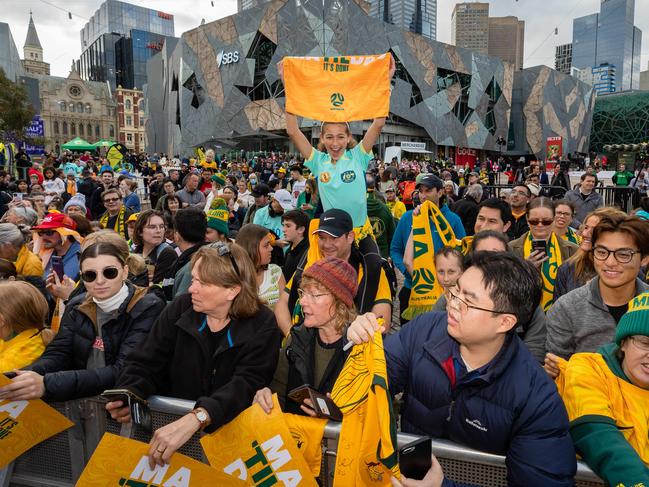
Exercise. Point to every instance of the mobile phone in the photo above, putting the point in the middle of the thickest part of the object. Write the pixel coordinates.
(140, 414)
(19, 196)
(57, 266)
(539, 245)
(323, 406)
(415, 458)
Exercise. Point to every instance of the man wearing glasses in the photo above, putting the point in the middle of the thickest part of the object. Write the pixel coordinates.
(519, 198)
(117, 214)
(466, 376)
(586, 318)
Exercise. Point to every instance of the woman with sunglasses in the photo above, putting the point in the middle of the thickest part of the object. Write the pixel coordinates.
(99, 328)
(313, 353)
(541, 246)
(215, 345)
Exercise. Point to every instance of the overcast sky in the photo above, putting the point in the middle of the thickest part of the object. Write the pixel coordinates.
(60, 36)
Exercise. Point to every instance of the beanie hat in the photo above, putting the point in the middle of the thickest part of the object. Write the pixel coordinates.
(38, 174)
(219, 178)
(218, 216)
(337, 276)
(77, 200)
(636, 320)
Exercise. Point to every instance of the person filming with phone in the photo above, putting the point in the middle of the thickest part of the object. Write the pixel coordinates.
(313, 355)
(542, 247)
(98, 330)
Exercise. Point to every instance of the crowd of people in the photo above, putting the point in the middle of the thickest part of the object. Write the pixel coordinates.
(515, 322)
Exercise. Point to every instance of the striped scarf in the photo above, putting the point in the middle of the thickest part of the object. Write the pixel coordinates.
(548, 269)
(571, 236)
(120, 223)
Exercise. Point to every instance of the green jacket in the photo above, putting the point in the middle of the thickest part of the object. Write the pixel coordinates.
(622, 178)
(382, 223)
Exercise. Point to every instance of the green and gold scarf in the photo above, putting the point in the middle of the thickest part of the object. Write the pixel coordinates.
(548, 269)
(120, 225)
(571, 236)
(426, 290)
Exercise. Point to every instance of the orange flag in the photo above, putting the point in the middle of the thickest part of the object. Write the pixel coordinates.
(338, 89)
(24, 424)
(122, 461)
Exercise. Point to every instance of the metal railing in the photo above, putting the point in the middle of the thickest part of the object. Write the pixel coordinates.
(59, 461)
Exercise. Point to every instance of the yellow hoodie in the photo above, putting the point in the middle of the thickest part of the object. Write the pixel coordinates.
(22, 350)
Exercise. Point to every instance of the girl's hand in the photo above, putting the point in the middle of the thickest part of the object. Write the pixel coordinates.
(280, 70)
(393, 66)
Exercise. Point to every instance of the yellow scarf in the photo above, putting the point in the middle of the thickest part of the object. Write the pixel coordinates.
(120, 225)
(426, 290)
(71, 188)
(548, 269)
(368, 438)
(571, 236)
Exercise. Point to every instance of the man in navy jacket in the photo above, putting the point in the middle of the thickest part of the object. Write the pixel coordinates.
(466, 376)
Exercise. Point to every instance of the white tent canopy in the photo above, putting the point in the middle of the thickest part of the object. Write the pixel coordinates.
(412, 147)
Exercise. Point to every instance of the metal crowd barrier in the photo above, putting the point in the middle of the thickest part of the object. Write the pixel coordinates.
(625, 197)
(59, 461)
(554, 192)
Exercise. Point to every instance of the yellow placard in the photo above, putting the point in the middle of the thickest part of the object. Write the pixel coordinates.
(338, 89)
(24, 424)
(258, 449)
(119, 461)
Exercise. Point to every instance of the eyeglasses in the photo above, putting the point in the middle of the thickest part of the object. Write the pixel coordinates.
(312, 297)
(223, 249)
(109, 273)
(642, 342)
(562, 213)
(623, 256)
(456, 301)
(533, 222)
(47, 233)
(111, 200)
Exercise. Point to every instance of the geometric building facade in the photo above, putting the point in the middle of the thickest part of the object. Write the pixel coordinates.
(620, 118)
(219, 82)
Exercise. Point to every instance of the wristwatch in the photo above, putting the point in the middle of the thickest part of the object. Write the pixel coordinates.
(202, 417)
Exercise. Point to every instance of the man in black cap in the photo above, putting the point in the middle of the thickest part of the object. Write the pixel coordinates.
(261, 194)
(336, 239)
(431, 188)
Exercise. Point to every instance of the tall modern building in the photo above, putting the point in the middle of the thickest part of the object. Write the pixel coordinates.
(507, 39)
(609, 38)
(419, 16)
(33, 52)
(10, 61)
(644, 80)
(118, 40)
(246, 4)
(470, 26)
(563, 58)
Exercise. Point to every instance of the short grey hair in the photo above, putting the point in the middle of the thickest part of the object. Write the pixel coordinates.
(475, 191)
(28, 215)
(12, 235)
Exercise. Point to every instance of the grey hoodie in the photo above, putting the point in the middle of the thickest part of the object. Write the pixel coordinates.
(580, 321)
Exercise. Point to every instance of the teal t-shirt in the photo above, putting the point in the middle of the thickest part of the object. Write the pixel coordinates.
(342, 185)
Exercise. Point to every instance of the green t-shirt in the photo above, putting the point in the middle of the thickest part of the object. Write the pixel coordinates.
(342, 185)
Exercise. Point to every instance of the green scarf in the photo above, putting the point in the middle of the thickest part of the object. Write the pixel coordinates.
(548, 269)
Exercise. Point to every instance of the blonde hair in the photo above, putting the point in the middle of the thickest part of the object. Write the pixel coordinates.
(107, 236)
(343, 315)
(352, 141)
(136, 264)
(220, 270)
(24, 307)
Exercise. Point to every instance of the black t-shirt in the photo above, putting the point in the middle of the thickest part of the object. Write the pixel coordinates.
(216, 339)
(617, 311)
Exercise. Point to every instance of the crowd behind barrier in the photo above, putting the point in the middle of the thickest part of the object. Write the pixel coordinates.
(59, 461)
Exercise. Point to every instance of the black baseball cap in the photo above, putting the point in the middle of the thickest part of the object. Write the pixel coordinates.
(260, 190)
(431, 181)
(335, 222)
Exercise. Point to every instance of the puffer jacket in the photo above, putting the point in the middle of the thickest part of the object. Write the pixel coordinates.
(63, 364)
(508, 407)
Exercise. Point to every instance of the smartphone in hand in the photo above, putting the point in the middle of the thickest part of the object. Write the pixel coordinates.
(415, 458)
(539, 246)
(57, 266)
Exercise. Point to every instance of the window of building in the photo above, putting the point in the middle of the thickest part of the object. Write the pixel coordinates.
(81, 129)
(65, 128)
(56, 127)
(72, 107)
(111, 131)
(129, 120)
(127, 105)
(79, 107)
(73, 128)
(89, 132)
(63, 106)
(88, 108)
(129, 137)
(97, 131)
